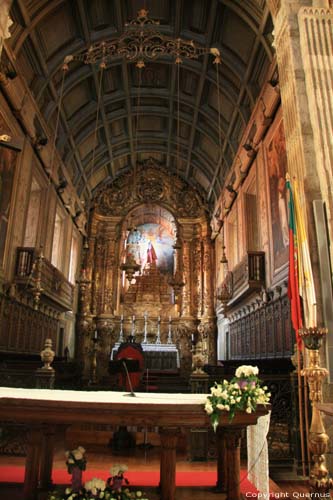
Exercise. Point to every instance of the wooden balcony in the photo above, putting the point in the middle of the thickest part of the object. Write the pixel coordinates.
(248, 275)
(55, 287)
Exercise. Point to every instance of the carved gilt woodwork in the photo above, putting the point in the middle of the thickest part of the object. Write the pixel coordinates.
(150, 183)
(149, 194)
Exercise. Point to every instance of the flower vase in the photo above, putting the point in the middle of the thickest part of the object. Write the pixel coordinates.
(76, 479)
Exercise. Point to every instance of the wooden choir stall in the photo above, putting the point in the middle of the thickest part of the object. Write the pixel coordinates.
(46, 411)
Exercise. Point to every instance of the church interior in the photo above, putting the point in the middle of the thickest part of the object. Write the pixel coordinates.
(147, 149)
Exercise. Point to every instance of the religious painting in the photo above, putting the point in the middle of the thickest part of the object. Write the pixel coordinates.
(276, 158)
(7, 169)
(151, 245)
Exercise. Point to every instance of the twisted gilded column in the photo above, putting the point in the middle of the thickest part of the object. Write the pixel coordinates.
(208, 297)
(197, 277)
(186, 291)
(109, 276)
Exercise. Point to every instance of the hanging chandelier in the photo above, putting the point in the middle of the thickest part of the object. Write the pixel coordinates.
(141, 42)
(130, 267)
(226, 291)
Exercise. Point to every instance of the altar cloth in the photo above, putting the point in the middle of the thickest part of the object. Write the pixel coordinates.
(107, 397)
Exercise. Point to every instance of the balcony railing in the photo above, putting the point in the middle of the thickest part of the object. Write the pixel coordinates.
(248, 275)
(53, 283)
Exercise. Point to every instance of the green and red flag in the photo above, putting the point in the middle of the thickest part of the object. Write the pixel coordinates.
(300, 282)
(293, 278)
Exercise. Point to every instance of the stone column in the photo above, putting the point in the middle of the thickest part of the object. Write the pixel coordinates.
(304, 55)
(315, 25)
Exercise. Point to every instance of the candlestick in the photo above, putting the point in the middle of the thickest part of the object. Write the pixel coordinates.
(145, 333)
(133, 326)
(158, 337)
(121, 331)
(169, 341)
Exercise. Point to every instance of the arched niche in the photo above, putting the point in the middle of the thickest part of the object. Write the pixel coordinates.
(149, 235)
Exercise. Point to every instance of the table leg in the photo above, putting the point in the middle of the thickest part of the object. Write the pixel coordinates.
(32, 464)
(169, 437)
(222, 461)
(46, 459)
(232, 439)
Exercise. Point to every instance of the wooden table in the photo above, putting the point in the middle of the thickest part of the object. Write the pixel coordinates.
(45, 410)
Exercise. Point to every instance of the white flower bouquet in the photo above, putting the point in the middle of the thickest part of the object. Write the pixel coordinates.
(242, 393)
(112, 489)
(97, 489)
(76, 458)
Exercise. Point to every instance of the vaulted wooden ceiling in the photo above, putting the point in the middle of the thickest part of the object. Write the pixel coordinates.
(45, 31)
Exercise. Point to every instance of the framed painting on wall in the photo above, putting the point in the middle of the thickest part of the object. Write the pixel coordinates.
(8, 159)
(276, 166)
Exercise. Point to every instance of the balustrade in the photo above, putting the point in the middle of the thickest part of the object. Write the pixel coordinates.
(53, 283)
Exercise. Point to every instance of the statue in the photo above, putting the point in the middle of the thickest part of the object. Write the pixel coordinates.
(151, 254)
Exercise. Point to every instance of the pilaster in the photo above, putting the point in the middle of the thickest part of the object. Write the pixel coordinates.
(187, 234)
(298, 106)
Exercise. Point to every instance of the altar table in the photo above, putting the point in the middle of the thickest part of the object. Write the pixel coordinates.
(44, 410)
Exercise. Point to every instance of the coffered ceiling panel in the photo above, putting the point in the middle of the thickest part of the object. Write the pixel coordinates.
(45, 31)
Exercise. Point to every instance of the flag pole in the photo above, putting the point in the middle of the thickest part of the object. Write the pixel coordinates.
(300, 410)
(306, 408)
(295, 306)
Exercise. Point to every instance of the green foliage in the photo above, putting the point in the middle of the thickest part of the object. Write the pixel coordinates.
(242, 393)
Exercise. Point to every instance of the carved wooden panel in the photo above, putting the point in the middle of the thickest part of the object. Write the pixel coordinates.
(264, 332)
(24, 329)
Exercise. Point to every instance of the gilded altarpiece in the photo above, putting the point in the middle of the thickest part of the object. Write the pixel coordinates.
(138, 215)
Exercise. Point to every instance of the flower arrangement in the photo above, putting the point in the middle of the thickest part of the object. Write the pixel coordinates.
(242, 393)
(112, 489)
(117, 480)
(97, 489)
(76, 458)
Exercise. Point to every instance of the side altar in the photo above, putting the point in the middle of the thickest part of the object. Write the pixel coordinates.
(48, 412)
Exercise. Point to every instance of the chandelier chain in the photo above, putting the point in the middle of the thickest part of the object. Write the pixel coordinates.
(178, 118)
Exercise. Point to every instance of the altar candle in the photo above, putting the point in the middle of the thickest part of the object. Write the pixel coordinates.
(133, 318)
(169, 319)
(192, 337)
(122, 318)
(159, 319)
(95, 334)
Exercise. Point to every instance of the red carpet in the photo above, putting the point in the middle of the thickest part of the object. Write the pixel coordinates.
(15, 474)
